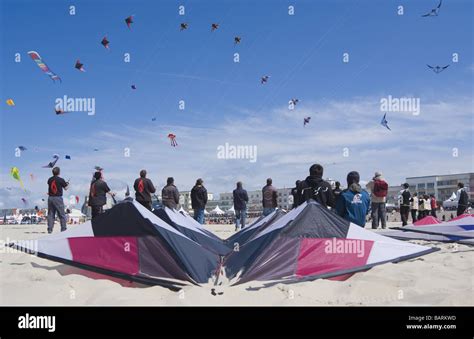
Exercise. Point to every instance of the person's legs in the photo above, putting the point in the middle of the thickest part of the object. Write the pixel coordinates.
(433, 213)
(374, 215)
(413, 216)
(243, 215)
(59, 206)
(460, 210)
(383, 213)
(95, 211)
(200, 215)
(237, 220)
(51, 214)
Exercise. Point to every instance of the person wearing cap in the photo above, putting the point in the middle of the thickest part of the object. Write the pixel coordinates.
(405, 204)
(97, 194)
(56, 184)
(353, 202)
(143, 190)
(199, 200)
(170, 194)
(378, 188)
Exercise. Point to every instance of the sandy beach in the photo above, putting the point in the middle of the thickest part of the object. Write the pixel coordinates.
(441, 278)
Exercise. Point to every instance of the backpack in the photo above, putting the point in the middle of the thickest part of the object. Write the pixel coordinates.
(380, 188)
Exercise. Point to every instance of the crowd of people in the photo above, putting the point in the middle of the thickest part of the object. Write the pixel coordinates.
(353, 203)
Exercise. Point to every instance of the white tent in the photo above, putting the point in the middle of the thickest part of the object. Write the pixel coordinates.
(206, 212)
(217, 210)
(231, 210)
(76, 216)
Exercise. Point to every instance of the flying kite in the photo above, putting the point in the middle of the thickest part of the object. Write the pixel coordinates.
(294, 101)
(22, 148)
(59, 111)
(264, 79)
(15, 173)
(129, 21)
(237, 40)
(306, 121)
(214, 27)
(10, 102)
(437, 69)
(153, 119)
(32, 177)
(36, 57)
(96, 150)
(384, 122)
(172, 138)
(183, 26)
(52, 162)
(24, 201)
(68, 157)
(133, 87)
(434, 11)
(105, 42)
(79, 66)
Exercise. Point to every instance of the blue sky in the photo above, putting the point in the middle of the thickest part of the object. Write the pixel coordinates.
(225, 101)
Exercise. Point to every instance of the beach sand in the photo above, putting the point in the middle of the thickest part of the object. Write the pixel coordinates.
(445, 277)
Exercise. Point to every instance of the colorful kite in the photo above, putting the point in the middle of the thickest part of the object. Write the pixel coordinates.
(15, 173)
(53, 162)
(79, 66)
(306, 121)
(105, 42)
(129, 21)
(77, 199)
(36, 57)
(172, 138)
(384, 122)
(10, 102)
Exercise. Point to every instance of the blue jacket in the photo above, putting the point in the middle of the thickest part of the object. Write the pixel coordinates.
(353, 204)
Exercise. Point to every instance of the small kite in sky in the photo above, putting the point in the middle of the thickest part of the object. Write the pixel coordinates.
(172, 138)
(237, 40)
(96, 150)
(264, 79)
(98, 168)
(105, 42)
(79, 66)
(77, 199)
(36, 57)
(59, 111)
(15, 173)
(24, 201)
(32, 177)
(129, 21)
(133, 87)
(153, 119)
(183, 26)
(214, 27)
(434, 11)
(294, 101)
(384, 122)
(68, 157)
(22, 148)
(52, 162)
(437, 69)
(10, 102)
(306, 121)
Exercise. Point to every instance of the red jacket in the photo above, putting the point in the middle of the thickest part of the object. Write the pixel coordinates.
(433, 204)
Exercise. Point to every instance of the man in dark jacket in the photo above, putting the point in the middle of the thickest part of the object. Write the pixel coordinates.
(240, 206)
(143, 190)
(269, 198)
(405, 197)
(97, 194)
(170, 194)
(199, 200)
(337, 191)
(353, 202)
(463, 199)
(55, 200)
(294, 194)
(314, 187)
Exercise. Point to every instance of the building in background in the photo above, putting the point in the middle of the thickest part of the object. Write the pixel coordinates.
(442, 186)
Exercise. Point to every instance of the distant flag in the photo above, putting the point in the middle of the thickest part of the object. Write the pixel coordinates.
(10, 102)
(68, 157)
(384, 122)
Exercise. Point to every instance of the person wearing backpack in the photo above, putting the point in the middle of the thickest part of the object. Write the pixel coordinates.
(378, 188)
(314, 187)
(463, 199)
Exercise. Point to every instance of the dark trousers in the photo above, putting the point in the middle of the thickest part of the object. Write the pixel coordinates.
(433, 213)
(146, 204)
(96, 210)
(413, 215)
(56, 206)
(404, 212)
(378, 213)
(461, 210)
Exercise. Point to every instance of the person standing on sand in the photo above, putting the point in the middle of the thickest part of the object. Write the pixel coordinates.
(294, 194)
(240, 206)
(199, 200)
(378, 188)
(354, 202)
(405, 197)
(143, 190)
(462, 198)
(337, 191)
(97, 194)
(170, 194)
(427, 203)
(434, 205)
(56, 184)
(314, 187)
(414, 206)
(269, 198)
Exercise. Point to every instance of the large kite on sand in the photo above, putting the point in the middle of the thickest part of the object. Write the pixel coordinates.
(41, 64)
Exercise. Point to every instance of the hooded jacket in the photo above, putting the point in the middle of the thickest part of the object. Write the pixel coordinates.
(170, 196)
(316, 188)
(240, 198)
(353, 204)
(198, 197)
